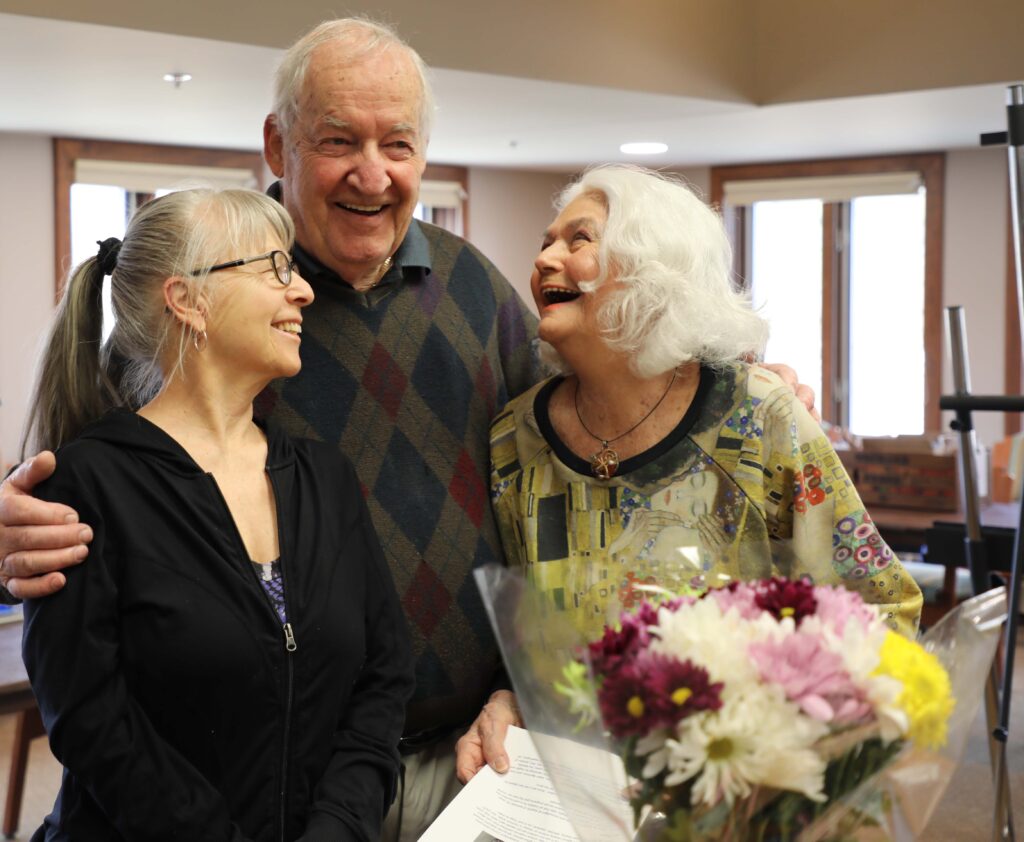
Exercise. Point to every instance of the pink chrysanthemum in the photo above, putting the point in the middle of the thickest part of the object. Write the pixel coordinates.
(812, 676)
(736, 596)
(837, 605)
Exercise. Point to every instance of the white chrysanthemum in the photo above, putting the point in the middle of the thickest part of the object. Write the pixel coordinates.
(653, 745)
(718, 642)
(882, 692)
(757, 737)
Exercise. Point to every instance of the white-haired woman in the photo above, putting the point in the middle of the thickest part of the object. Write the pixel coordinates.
(659, 457)
(232, 663)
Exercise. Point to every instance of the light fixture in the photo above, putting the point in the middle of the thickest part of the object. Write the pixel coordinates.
(643, 148)
(177, 79)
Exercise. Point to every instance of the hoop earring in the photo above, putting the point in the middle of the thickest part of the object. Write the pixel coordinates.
(200, 347)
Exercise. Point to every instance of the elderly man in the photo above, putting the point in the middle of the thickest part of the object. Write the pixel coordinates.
(414, 343)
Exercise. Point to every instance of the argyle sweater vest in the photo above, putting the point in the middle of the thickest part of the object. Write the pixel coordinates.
(406, 386)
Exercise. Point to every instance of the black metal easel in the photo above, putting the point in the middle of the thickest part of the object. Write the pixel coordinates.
(962, 403)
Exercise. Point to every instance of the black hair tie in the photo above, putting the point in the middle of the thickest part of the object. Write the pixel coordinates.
(106, 257)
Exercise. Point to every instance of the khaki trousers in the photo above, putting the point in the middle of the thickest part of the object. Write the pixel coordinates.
(430, 783)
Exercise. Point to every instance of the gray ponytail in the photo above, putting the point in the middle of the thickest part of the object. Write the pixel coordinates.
(73, 386)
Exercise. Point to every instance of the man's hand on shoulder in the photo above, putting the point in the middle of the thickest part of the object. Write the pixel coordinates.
(803, 392)
(484, 742)
(37, 539)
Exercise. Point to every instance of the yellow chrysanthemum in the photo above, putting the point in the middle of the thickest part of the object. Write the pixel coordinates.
(926, 697)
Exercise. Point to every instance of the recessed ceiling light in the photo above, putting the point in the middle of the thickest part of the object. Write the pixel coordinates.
(177, 79)
(644, 148)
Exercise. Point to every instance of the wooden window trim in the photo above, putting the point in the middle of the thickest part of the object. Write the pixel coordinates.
(66, 151)
(932, 167)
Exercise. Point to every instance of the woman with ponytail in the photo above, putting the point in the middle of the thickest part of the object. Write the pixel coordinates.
(232, 664)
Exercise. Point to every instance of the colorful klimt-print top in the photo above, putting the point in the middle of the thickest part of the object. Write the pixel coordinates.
(747, 486)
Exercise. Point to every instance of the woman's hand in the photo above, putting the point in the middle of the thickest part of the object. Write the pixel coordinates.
(484, 742)
(37, 538)
(803, 392)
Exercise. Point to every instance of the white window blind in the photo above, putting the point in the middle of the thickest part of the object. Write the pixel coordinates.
(442, 194)
(834, 188)
(150, 178)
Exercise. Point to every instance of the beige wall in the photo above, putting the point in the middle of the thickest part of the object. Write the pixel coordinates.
(508, 212)
(974, 269)
(26, 274)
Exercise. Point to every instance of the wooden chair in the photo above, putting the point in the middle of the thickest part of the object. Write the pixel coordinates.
(28, 727)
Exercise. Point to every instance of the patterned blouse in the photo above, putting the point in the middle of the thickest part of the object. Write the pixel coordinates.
(747, 486)
(273, 583)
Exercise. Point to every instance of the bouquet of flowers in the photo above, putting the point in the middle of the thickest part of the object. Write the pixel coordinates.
(770, 710)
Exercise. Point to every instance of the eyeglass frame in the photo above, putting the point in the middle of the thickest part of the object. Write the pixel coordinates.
(231, 264)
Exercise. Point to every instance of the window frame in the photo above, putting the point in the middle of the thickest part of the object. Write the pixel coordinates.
(931, 167)
(67, 151)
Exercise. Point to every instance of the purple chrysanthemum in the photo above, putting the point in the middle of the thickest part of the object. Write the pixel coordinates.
(787, 598)
(654, 691)
(628, 701)
(608, 653)
(682, 688)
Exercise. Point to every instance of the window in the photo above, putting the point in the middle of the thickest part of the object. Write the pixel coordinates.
(106, 194)
(443, 198)
(99, 184)
(441, 204)
(843, 258)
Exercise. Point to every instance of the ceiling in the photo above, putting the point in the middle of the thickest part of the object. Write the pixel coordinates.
(77, 79)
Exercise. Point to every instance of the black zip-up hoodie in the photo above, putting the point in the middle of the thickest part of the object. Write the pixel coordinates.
(180, 706)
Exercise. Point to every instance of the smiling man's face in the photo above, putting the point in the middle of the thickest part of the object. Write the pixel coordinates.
(351, 163)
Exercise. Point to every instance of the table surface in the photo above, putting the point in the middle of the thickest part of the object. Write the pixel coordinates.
(992, 514)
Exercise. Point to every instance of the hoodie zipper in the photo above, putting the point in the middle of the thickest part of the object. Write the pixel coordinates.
(290, 646)
(290, 643)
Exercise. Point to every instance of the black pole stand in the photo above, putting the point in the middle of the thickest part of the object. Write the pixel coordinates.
(997, 693)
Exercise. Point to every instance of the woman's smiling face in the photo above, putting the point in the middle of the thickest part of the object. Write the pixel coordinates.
(569, 257)
(255, 327)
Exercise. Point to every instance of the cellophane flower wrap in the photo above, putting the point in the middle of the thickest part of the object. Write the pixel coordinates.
(769, 710)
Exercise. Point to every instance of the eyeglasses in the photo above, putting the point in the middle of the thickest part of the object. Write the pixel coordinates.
(282, 263)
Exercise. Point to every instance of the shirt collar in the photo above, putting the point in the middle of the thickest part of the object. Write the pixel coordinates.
(413, 253)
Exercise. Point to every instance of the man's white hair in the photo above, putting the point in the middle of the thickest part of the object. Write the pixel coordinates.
(361, 37)
(672, 256)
